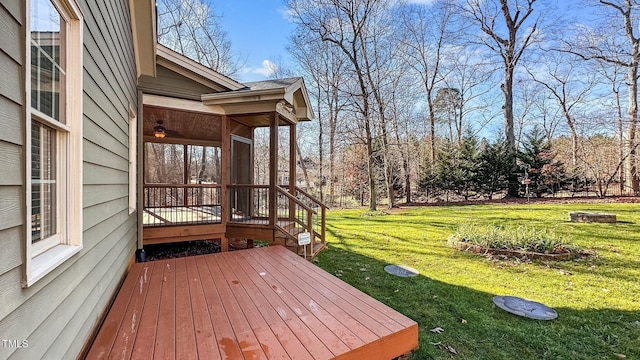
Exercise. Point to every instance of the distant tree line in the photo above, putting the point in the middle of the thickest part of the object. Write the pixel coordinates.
(403, 89)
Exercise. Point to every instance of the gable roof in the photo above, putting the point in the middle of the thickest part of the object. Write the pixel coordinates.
(195, 71)
(288, 96)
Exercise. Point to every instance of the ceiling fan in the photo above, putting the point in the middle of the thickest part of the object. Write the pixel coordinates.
(160, 131)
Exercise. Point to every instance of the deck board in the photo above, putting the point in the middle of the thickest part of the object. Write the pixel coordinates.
(262, 303)
(186, 344)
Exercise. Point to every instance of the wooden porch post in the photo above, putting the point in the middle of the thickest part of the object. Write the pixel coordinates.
(140, 175)
(292, 169)
(273, 168)
(225, 177)
(293, 157)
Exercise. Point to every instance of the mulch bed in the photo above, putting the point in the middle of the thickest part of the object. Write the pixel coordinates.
(183, 249)
(188, 248)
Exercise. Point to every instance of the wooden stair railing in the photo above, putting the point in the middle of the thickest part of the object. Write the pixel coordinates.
(298, 213)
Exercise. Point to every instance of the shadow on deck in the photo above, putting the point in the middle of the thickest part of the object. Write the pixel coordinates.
(261, 303)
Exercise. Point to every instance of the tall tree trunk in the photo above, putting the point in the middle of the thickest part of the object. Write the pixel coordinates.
(432, 129)
(320, 145)
(632, 127)
(507, 89)
(305, 174)
(333, 118)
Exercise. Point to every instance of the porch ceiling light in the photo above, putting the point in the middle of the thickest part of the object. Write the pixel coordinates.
(159, 131)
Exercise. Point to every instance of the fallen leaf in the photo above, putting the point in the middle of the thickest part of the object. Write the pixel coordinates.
(452, 350)
(437, 330)
(621, 356)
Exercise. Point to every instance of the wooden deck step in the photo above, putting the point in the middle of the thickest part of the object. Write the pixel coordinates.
(317, 248)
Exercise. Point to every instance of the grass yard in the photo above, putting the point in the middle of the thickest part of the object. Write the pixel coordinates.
(597, 298)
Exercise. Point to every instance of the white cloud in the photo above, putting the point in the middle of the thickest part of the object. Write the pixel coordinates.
(268, 68)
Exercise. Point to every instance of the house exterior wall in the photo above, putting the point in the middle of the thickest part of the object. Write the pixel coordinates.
(170, 83)
(53, 318)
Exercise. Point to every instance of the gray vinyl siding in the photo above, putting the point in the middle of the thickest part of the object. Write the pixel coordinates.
(58, 313)
(170, 83)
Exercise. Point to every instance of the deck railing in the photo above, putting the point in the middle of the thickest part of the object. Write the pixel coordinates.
(304, 214)
(320, 212)
(249, 202)
(194, 204)
(179, 204)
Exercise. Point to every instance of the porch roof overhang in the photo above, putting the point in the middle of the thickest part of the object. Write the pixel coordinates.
(143, 29)
(287, 97)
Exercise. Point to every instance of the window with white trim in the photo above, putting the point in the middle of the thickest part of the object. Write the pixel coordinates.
(54, 135)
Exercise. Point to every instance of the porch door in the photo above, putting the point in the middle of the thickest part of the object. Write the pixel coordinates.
(241, 174)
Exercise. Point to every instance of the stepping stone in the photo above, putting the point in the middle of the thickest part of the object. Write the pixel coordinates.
(401, 270)
(591, 217)
(526, 308)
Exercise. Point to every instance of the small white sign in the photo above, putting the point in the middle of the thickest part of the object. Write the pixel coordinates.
(304, 238)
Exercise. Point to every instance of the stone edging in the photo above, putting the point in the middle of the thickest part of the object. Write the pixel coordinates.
(478, 249)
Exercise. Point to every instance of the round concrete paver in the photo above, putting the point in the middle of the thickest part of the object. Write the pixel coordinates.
(524, 307)
(401, 270)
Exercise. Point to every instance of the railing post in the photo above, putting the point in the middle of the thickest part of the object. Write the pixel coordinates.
(292, 169)
(323, 221)
(273, 168)
(310, 230)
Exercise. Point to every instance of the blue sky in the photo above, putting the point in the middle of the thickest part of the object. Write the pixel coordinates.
(258, 32)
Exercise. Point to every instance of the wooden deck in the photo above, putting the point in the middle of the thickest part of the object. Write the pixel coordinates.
(262, 303)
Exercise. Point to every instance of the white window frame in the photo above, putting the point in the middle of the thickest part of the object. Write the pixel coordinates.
(133, 144)
(47, 254)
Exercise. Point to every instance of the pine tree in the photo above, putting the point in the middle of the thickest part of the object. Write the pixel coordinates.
(494, 168)
(467, 159)
(537, 160)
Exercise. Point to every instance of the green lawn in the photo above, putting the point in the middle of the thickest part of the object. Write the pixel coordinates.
(597, 299)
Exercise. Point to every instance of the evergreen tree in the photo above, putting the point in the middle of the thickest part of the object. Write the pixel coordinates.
(446, 170)
(467, 165)
(537, 160)
(494, 168)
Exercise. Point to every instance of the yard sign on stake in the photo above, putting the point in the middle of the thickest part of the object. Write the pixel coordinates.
(304, 239)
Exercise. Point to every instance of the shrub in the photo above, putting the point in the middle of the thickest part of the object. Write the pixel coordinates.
(522, 238)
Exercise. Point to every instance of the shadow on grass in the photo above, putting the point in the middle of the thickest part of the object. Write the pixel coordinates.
(475, 328)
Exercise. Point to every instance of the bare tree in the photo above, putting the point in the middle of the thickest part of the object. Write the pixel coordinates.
(192, 28)
(349, 25)
(613, 75)
(472, 75)
(424, 28)
(569, 86)
(325, 65)
(509, 29)
(615, 41)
